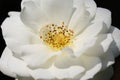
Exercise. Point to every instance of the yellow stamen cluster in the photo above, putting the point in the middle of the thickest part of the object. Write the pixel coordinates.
(56, 36)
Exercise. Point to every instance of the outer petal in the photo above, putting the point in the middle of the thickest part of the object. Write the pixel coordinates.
(104, 16)
(91, 7)
(88, 45)
(97, 49)
(36, 55)
(12, 66)
(93, 65)
(89, 61)
(104, 51)
(56, 73)
(24, 1)
(81, 45)
(92, 72)
(15, 33)
(32, 18)
(100, 25)
(85, 10)
(46, 12)
(107, 60)
(65, 60)
(107, 42)
(101, 48)
(116, 37)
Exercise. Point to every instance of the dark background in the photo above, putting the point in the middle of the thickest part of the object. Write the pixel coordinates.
(14, 5)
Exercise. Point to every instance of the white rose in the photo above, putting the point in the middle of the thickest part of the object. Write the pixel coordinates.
(59, 40)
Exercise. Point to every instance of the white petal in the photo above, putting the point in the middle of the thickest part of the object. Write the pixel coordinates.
(24, 1)
(13, 28)
(12, 66)
(58, 10)
(68, 51)
(79, 19)
(103, 15)
(32, 18)
(107, 60)
(116, 37)
(66, 73)
(41, 74)
(90, 61)
(92, 46)
(92, 64)
(82, 15)
(24, 78)
(54, 72)
(46, 12)
(82, 43)
(100, 24)
(102, 45)
(104, 75)
(36, 55)
(107, 42)
(65, 60)
(92, 72)
(94, 30)
(15, 33)
(104, 51)
(96, 49)
(91, 7)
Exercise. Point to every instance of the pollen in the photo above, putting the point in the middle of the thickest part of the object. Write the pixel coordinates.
(56, 36)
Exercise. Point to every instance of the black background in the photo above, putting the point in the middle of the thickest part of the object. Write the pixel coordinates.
(14, 5)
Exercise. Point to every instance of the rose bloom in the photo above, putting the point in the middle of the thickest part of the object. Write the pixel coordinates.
(59, 40)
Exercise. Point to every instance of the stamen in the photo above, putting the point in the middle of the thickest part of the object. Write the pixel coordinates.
(56, 36)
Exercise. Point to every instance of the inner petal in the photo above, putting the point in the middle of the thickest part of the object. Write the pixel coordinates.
(56, 36)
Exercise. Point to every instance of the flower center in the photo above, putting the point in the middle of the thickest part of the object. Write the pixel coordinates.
(56, 36)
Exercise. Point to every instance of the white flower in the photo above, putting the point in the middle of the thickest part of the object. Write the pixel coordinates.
(59, 40)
